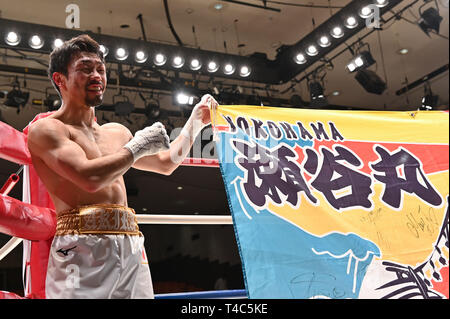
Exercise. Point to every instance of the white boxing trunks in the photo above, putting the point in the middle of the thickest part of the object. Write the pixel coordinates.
(98, 253)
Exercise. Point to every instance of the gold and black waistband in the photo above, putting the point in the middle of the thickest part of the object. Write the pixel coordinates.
(106, 219)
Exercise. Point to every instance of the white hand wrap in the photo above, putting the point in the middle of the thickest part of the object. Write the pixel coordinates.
(149, 141)
(192, 128)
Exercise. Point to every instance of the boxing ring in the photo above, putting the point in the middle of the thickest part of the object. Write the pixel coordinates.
(152, 219)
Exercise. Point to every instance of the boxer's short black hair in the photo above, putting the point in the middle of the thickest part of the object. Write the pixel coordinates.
(62, 56)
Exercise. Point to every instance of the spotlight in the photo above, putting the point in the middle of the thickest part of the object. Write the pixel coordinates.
(381, 3)
(315, 90)
(36, 42)
(58, 43)
(363, 60)
(370, 81)
(229, 69)
(177, 62)
(212, 66)
(185, 99)
(53, 102)
(351, 22)
(324, 41)
(140, 57)
(104, 50)
(430, 20)
(429, 100)
(12, 38)
(300, 59)
(16, 98)
(152, 109)
(337, 32)
(312, 50)
(317, 96)
(195, 64)
(245, 71)
(121, 54)
(160, 59)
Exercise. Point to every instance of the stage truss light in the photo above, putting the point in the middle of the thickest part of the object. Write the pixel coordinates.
(212, 66)
(36, 42)
(195, 64)
(362, 60)
(245, 71)
(228, 69)
(140, 56)
(300, 58)
(178, 62)
(121, 54)
(160, 59)
(12, 38)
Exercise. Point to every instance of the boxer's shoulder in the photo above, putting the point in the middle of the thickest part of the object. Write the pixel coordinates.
(117, 128)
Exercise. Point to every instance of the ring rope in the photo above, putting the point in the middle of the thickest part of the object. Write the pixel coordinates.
(9, 246)
(185, 219)
(214, 294)
(149, 219)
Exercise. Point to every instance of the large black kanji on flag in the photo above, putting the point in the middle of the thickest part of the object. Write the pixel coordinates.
(401, 171)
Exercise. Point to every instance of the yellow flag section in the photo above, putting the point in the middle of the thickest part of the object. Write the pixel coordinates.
(398, 164)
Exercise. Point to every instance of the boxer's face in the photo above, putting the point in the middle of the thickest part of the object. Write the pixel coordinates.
(86, 79)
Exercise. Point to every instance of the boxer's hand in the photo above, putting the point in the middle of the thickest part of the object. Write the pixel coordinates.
(200, 116)
(149, 141)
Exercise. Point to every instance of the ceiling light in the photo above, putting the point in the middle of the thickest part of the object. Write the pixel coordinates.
(403, 51)
(300, 59)
(185, 99)
(195, 64)
(365, 12)
(381, 3)
(160, 59)
(104, 50)
(363, 60)
(351, 22)
(177, 62)
(336, 93)
(212, 66)
(12, 38)
(337, 32)
(141, 57)
(58, 43)
(228, 69)
(36, 42)
(312, 50)
(245, 71)
(121, 54)
(351, 66)
(324, 42)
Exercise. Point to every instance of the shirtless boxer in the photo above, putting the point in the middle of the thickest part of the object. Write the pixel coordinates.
(98, 249)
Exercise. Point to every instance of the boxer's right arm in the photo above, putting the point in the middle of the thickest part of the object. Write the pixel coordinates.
(49, 140)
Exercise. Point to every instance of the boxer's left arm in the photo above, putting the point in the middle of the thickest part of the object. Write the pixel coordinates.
(166, 162)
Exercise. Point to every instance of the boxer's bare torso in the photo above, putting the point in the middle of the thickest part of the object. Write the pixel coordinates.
(90, 142)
